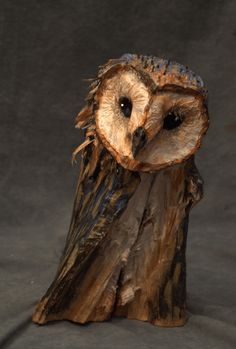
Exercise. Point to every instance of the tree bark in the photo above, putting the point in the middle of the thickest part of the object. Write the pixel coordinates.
(125, 250)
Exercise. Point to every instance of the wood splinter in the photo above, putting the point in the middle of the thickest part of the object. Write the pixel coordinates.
(125, 250)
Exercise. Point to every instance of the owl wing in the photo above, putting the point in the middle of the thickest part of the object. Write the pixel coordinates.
(103, 191)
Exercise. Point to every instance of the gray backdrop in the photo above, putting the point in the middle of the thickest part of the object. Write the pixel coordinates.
(47, 49)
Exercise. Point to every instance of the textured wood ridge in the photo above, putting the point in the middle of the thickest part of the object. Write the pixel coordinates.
(124, 255)
(104, 189)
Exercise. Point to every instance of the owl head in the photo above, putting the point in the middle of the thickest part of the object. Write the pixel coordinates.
(148, 112)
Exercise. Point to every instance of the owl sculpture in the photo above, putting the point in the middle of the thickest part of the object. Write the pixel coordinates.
(124, 255)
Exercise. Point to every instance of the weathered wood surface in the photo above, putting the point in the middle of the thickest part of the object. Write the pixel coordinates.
(125, 250)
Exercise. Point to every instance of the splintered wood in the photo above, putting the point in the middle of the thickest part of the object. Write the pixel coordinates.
(125, 251)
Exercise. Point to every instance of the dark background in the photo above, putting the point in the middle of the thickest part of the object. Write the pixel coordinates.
(47, 49)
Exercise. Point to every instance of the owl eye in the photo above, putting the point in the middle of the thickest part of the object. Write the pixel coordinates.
(172, 120)
(125, 106)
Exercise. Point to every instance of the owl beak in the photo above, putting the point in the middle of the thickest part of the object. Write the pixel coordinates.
(139, 140)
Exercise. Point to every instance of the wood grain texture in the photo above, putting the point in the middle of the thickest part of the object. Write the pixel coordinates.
(153, 283)
(124, 257)
(103, 191)
(125, 249)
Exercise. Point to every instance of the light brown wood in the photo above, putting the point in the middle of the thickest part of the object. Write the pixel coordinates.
(125, 250)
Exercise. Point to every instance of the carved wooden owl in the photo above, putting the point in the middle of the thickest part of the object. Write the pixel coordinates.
(125, 250)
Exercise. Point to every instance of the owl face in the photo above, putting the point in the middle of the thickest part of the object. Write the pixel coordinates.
(146, 127)
(149, 118)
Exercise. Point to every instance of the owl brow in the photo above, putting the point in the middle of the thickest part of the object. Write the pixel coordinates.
(146, 79)
(179, 89)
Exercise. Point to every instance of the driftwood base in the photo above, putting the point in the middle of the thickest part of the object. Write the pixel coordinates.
(137, 269)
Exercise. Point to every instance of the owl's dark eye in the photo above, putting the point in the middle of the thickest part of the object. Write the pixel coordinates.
(172, 120)
(125, 106)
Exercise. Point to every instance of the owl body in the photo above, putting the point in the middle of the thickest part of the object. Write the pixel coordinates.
(125, 250)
